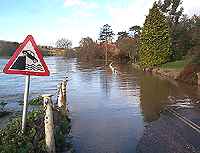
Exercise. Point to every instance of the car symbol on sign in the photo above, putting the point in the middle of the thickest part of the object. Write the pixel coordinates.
(30, 55)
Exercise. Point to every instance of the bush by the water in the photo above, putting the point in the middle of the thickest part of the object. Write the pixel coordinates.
(12, 140)
(36, 101)
(62, 129)
(189, 73)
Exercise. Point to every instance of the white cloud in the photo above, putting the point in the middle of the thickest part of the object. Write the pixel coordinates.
(191, 7)
(134, 14)
(82, 23)
(86, 22)
(122, 18)
(73, 28)
(80, 3)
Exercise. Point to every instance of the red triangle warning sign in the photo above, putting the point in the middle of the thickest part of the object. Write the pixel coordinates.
(27, 60)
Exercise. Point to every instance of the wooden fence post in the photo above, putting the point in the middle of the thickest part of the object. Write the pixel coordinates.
(64, 91)
(60, 95)
(62, 100)
(198, 78)
(49, 125)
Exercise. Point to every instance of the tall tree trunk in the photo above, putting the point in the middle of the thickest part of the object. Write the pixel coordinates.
(106, 55)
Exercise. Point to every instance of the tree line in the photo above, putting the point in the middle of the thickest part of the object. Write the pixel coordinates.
(166, 35)
(123, 49)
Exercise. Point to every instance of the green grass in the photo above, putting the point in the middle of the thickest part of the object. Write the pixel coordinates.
(175, 65)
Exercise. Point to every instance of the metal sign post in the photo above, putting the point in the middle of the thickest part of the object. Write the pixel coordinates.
(27, 60)
(26, 93)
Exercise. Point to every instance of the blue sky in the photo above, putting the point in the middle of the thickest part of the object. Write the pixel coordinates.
(49, 20)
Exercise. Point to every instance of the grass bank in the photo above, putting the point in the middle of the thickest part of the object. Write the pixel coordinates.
(183, 70)
(177, 65)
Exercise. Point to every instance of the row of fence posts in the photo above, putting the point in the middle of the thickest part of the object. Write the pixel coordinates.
(49, 120)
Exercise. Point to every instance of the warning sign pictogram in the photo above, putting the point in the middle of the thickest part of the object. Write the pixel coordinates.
(27, 60)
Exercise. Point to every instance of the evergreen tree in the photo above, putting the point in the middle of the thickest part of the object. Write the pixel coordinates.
(136, 30)
(105, 37)
(122, 34)
(155, 39)
(106, 34)
(173, 11)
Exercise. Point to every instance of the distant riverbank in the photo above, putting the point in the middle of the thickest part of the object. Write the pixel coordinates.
(7, 48)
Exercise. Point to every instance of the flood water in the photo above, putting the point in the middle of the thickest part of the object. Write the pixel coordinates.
(109, 111)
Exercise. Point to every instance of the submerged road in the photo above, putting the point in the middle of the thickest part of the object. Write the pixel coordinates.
(176, 131)
(185, 120)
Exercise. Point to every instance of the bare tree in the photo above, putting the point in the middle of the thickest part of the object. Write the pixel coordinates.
(64, 43)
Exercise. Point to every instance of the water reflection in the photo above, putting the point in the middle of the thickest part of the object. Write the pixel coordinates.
(105, 83)
(153, 95)
(156, 93)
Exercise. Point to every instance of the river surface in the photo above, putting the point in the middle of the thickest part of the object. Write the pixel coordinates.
(109, 111)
